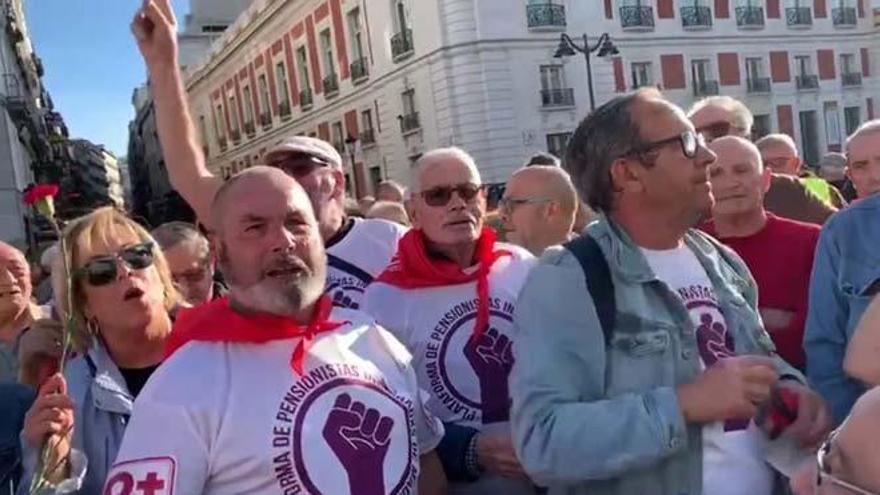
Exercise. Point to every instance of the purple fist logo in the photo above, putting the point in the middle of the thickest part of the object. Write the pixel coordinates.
(360, 438)
(491, 357)
(713, 340)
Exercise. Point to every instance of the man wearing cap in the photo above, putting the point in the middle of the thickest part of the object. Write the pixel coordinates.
(449, 296)
(357, 249)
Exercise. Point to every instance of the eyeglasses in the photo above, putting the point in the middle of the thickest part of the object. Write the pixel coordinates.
(299, 165)
(689, 140)
(441, 195)
(193, 276)
(509, 204)
(823, 470)
(717, 130)
(103, 270)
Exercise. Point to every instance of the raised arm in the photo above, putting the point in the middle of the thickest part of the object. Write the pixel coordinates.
(155, 30)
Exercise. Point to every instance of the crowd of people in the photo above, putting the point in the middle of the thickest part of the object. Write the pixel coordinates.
(671, 309)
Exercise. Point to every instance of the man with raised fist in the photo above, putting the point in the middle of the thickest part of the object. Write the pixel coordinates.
(449, 296)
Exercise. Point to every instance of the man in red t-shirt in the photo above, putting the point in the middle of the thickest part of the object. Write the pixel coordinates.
(778, 251)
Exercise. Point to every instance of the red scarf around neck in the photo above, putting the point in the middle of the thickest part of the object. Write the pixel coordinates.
(216, 321)
(413, 268)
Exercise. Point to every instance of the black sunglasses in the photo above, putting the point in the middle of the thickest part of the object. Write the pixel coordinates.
(717, 130)
(690, 142)
(103, 270)
(441, 195)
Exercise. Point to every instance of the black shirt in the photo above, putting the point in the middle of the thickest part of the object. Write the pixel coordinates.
(136, 378)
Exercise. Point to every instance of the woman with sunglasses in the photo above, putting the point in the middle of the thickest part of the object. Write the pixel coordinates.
(121, 300)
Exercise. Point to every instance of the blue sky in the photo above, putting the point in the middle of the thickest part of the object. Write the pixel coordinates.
(92, 63)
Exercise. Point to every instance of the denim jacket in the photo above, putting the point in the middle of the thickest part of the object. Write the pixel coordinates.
(103, 406)
(597, 420)
(846, 276)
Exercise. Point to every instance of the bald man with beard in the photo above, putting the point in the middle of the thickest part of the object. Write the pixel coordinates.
(539, 207)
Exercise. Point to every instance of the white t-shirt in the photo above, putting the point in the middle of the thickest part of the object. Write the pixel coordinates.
(733, 452)
(358, 257)
(223, 418)
(436, 325)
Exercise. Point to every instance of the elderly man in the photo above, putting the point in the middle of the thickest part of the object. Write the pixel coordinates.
(389, 190)
(190, 261)
(720, 116)
(640, 355)
(780, 155)
(847, 463)
(539, 207)
(778, 252)
(291, 394)
(846, 276)
(357, 249)
(17, 312)
(449, 296)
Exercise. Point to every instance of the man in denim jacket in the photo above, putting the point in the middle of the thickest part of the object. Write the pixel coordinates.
(846, 275)
(663, 407)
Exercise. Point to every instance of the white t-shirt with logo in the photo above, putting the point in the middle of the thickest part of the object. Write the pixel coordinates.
(229, 418)
(436, 325)
(359, 257)
(733, 452)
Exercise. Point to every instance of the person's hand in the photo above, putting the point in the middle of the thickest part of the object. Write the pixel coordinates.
(155, 29)
(495, 454)
(50, 421)
(39, 352)
(814, 420)
(732, 388)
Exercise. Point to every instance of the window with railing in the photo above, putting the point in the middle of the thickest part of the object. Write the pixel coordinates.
(799, 13)
(331, 80)
(696, 14)
(806, 78)
(705, 83)
(642, 74)
(221, 126)
(359, 68)
(750, 13)
(306, 99)
(852, 117)
(368, 134)
(554, 91)
(337, 137)
(264, 97)
(756, 80)
(557, 142)
(402, 45)
(302, 65)
(850, 75)
(203, 135)
(637, 14)
(545, 13)
(844, 13)
(283, 92)
(409, 121)
(247, 95)
(234, 125)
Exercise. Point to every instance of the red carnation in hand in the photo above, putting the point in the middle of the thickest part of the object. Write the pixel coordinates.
(42, 198)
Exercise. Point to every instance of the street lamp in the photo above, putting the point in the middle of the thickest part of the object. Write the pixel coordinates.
(351, 147)
(568, 47)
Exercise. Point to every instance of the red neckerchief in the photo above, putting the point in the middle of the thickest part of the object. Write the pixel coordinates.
(413, 268)
(217, 322)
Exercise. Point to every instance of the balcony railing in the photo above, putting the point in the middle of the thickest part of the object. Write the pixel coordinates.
(844, 16)
(305, 98)
(637, 16)
(402, 45)
(250, 129)
(750, 17)
(807, 82)
(563, 97)
(545, 15)
(798, 16)
(695, 16)
(368, 136)
(359, 70)
(331, 85)
(409, 122)
(266, 120)
(758, 85)
(221, 142)
(851, 78)
(705, 88)
(235, 136)
(284, 109)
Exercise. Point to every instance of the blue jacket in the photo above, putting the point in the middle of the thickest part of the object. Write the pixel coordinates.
(846, 276)
(594, 420)
(103, 406)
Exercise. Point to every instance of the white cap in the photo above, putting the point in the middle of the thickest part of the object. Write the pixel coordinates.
(305, 145)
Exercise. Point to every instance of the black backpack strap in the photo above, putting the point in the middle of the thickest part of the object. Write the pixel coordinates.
(598, 276)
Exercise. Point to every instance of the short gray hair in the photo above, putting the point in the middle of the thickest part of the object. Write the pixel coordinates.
(171, 234)
(742, 116)
(775, 139)
(439, 154)
(868, 127)
(602, 137)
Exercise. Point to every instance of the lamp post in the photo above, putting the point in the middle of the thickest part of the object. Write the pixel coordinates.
(568, 47)
(351, 147)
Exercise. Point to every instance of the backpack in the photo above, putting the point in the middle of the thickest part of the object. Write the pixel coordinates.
(598, 276)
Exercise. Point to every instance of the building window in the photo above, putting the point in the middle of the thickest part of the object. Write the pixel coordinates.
(248, 106)
(203, 134)
(265, 113)
(368, 134)
(354, 29)
(761, 127)
(756, 81)
(402, 41)
(554, 90)
(221, 126)
(704, 82)
(849, 70)
(557, 142)
(798, 13)
(336, 137)
(327, 51)
(283, 94)
(806, 78)
(302, 63)
(400, 19)
(410, 118)
(809, 138)
(852, 117)
(234, 131)
(375, 177)
(642, 74)
(832, 125)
